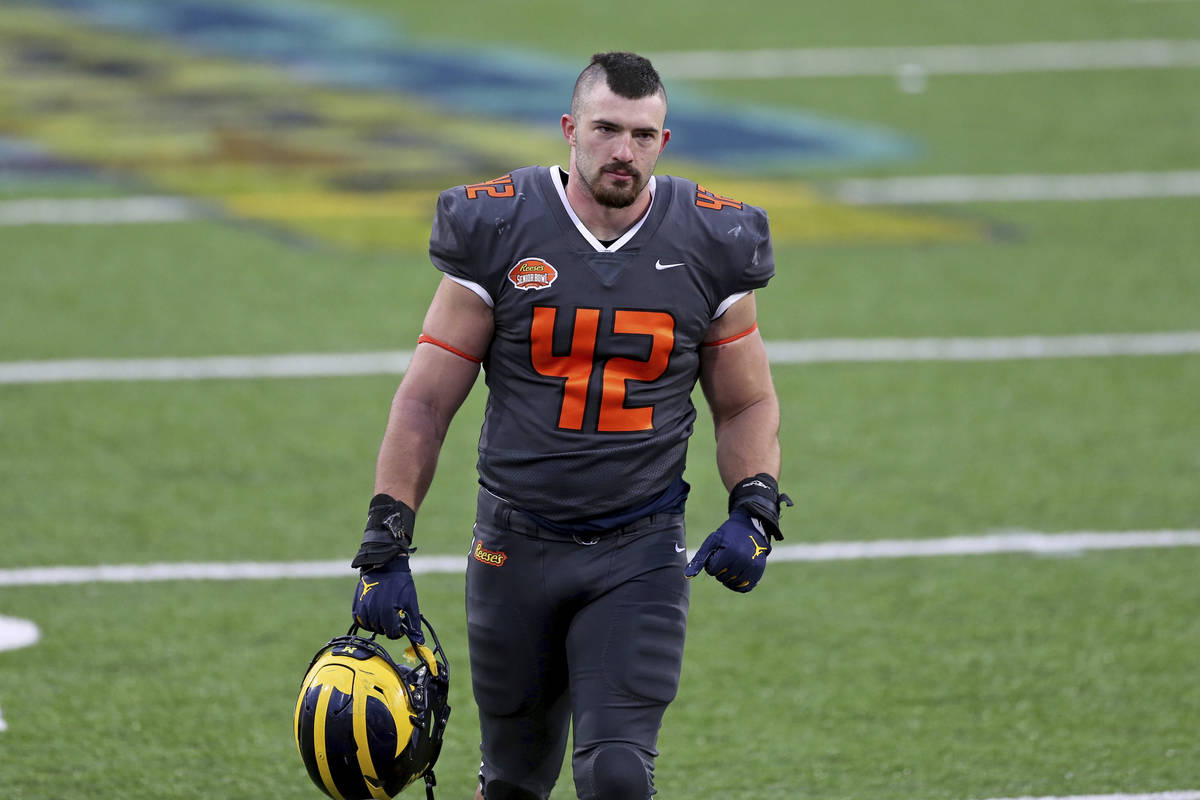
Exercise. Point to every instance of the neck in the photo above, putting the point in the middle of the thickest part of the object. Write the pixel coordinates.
(604, 222)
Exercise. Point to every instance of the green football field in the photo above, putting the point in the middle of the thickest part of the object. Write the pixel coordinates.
(989, 583)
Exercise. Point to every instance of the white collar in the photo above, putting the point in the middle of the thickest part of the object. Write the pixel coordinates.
(592, 240)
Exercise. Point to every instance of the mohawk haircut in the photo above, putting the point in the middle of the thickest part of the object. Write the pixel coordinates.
(627, 74)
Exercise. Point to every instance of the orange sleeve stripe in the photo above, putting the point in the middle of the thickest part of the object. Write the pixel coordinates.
(733, 338)
(423, 338)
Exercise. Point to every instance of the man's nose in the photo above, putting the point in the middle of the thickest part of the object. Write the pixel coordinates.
(624, 151)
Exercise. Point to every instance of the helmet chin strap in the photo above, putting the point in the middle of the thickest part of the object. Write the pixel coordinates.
(430, 782)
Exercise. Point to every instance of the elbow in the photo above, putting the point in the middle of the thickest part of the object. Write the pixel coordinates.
(762, 412)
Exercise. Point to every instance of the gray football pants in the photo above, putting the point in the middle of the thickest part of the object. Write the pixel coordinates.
(562, 628)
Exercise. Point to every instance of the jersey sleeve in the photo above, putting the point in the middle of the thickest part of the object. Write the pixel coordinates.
(750, 258)
(758, 265)
(449, 247)
(733, 237)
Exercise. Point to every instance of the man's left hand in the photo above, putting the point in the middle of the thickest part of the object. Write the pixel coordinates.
(735, 553)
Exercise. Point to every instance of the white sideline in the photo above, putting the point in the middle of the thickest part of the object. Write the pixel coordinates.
(806, 351)
(1031, 542)
(980, 59)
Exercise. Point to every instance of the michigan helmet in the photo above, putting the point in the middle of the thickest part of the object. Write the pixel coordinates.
(366, 726)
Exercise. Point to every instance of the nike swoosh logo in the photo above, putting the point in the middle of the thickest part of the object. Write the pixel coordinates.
(660, 265)
(679, 549)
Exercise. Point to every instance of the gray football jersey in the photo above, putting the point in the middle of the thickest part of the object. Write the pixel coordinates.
(596, 349)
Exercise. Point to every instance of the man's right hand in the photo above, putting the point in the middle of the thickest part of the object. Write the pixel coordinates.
(385, 601)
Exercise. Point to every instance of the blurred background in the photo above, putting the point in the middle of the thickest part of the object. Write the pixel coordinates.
(984, 331)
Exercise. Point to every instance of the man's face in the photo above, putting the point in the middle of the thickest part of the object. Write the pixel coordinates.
(616, 143)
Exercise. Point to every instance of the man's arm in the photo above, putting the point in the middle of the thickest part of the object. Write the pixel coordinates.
(455, 335)
(736, 380)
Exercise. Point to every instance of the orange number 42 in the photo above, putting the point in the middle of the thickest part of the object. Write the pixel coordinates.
(576, 367)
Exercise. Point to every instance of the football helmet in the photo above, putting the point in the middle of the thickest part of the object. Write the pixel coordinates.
(367, 726)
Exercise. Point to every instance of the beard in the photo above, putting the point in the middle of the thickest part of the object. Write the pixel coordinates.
(618, 195)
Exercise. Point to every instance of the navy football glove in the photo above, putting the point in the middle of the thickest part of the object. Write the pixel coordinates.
(735, 553)
(385, 599)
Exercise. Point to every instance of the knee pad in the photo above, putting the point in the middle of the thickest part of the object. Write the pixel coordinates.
(614, 772)
(503, 790)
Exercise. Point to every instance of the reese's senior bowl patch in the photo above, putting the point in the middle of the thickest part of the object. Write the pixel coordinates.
(493, 558)
(532, 273)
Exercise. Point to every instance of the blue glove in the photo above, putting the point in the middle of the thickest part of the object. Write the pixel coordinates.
(735, 553)
(385, 601)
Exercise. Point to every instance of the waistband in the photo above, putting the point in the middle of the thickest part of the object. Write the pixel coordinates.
(505, 515)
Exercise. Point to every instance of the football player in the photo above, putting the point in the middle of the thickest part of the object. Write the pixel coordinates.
(594, 297)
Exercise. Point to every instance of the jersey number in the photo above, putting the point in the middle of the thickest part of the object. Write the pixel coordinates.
(576, 367)
(707, 199)
(496, 187)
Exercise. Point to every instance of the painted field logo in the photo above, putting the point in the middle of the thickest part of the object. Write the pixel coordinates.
(532, 273)
(493, 558)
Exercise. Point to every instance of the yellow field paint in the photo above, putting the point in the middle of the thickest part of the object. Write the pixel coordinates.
(799, 215)
(359, 169)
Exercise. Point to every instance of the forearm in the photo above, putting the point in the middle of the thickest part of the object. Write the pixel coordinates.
(432, 391)
(408, 454)
(748, 459)
(748, 441)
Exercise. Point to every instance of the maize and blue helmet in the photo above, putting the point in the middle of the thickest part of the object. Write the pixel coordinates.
(367, 726)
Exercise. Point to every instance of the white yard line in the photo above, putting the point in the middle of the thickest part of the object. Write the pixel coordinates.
(1030, 542)
(1183, 795)
(814, 351)
(881, 191)
(1017, 188)
(810, 351)
(1017, 542)
(96, 211)
(985, 59)
(302, 365)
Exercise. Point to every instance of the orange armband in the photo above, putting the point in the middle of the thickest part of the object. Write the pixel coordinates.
(423, 338)
(733, 338)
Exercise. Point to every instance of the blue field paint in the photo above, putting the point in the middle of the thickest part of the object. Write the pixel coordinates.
(21, 160)
(333, 47)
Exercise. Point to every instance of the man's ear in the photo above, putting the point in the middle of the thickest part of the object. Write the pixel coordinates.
(568, 129)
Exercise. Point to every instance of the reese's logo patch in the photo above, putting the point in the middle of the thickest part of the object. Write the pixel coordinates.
(532, 273)
(493, 558)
